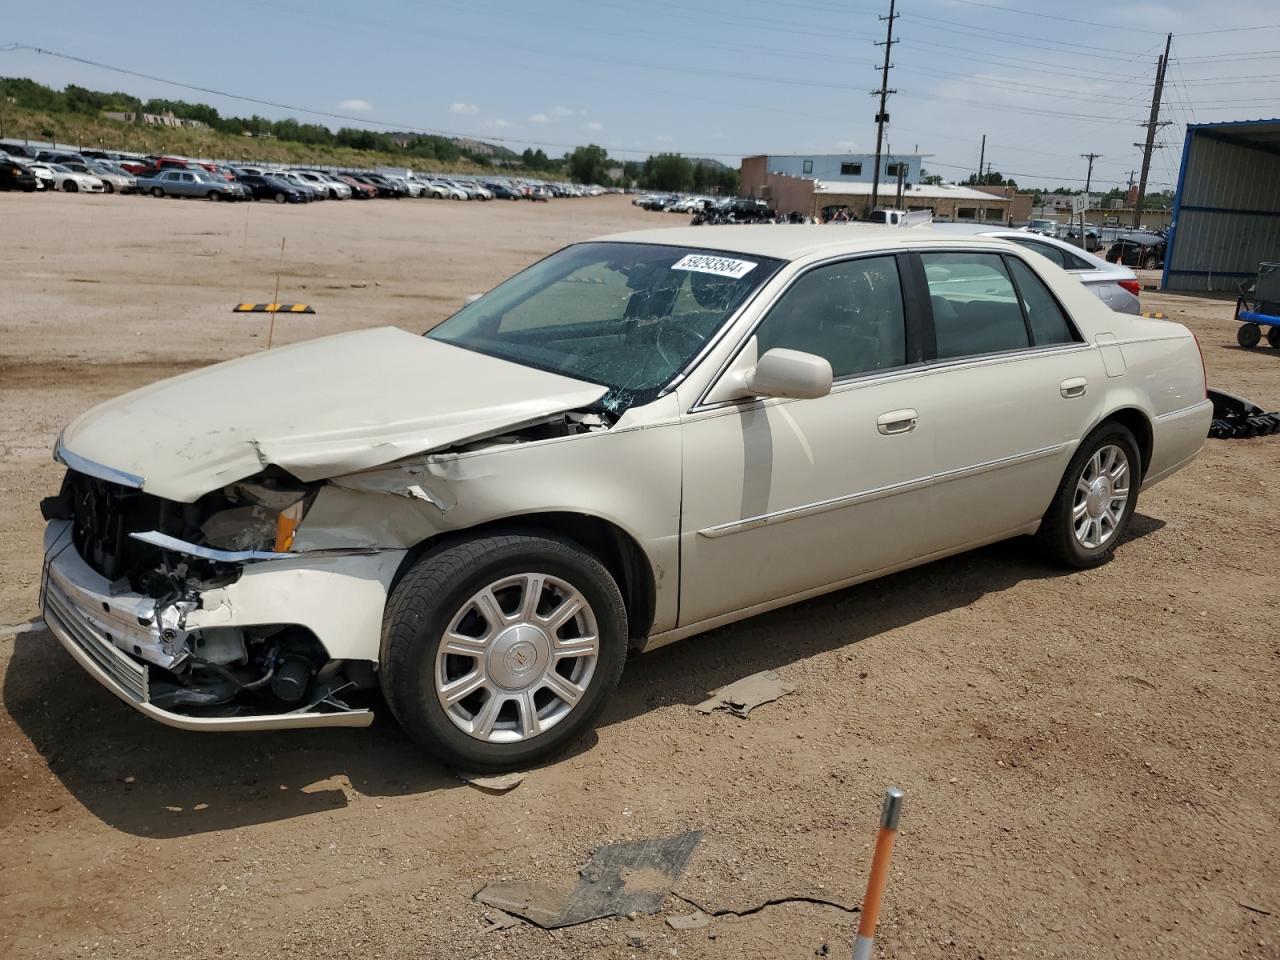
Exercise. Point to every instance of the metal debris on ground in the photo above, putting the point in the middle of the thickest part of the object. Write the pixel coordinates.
(743, 696)
(621, 878)
(497, 783)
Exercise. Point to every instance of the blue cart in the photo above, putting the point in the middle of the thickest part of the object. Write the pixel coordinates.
(1258, 306)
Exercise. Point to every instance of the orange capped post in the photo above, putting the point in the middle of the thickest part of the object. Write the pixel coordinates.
(889, 814)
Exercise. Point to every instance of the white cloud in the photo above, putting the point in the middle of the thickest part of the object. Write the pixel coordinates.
(356, 105)
(539, 118)
(464, 108)
(593, 125)
(560, 110)
(497, 123)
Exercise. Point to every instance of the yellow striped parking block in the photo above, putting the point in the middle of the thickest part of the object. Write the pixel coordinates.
(1154, 315)
(272, 308)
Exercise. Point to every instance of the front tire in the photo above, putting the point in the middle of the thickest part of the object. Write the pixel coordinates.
(1095, 500)
(157, 192)
(107, 187)
(70, 186)
(501, 650)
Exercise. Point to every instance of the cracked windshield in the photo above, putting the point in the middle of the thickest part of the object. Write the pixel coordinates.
(628, 316)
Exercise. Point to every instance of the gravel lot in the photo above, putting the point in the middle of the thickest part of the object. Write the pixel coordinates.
(1090, 758)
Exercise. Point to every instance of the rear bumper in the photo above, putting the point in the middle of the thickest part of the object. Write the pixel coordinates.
(96, 626)
(1177, 438)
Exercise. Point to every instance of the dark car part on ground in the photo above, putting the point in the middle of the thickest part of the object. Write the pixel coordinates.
(1235, 418)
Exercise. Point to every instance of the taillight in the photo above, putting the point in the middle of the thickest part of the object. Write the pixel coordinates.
(1133, 286)
(1204, 370)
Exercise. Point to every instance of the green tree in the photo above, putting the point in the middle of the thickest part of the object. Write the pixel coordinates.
(588, 164)
(667, 171)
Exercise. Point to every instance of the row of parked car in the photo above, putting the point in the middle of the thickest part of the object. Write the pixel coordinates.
(92, 171)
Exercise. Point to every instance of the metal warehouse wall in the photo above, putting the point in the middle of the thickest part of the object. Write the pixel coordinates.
(1227, 211)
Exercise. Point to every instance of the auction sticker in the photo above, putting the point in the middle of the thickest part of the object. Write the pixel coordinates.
(720, 266)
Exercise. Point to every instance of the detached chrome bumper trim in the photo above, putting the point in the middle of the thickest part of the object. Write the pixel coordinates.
(83, 465)
(166, 542)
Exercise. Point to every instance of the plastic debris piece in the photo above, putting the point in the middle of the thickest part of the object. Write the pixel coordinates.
(743, 696)
(497, 783)
(619, 879)
(689, 921)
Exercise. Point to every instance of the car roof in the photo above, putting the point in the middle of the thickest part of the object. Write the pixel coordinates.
(795, 241)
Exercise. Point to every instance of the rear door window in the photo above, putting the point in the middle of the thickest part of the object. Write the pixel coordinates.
(1049, 324)
(975, 307)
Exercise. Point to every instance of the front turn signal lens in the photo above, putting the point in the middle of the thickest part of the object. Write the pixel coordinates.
(287, 522)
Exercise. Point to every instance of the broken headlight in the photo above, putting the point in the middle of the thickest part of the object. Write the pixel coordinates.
(259, 516)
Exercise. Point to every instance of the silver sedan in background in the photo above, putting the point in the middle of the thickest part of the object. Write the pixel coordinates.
(188, 183)
(1115, 285)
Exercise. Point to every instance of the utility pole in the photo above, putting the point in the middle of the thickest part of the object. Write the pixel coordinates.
(1088, 181)
(982, 157)
(882, 117)
(1152, 124)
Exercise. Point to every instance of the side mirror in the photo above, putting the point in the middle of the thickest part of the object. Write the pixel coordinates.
(790, 373)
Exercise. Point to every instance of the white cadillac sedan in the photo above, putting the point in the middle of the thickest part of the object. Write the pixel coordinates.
(632, 441)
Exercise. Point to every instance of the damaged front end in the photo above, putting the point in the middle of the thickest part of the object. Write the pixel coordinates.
(174, 606)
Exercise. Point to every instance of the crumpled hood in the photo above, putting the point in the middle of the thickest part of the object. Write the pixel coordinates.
(317, 409)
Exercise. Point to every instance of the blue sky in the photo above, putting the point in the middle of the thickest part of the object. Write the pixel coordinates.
(1046, 81)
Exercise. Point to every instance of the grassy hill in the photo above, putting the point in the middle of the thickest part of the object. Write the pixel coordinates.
(103, 134)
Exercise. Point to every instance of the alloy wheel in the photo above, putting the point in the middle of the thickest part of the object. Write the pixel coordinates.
(516, 658)
(1101, 496)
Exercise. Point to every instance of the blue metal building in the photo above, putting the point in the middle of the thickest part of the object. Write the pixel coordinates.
(1226, 212)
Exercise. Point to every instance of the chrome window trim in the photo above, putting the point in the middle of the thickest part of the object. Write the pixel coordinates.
(92, 468)
(1080, 343)
(907, 372)
(877, 493)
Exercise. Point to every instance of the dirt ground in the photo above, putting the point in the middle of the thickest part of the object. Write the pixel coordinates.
(1090, 759)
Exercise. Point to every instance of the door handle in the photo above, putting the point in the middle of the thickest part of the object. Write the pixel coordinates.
(1075, 387)
(897, 421)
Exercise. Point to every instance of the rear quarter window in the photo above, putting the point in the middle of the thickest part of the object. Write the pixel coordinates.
(1049, 324)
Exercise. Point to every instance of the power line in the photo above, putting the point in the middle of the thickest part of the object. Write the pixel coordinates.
(1050, 16)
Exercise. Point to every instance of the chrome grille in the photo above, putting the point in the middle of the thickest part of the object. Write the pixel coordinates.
(61, 613)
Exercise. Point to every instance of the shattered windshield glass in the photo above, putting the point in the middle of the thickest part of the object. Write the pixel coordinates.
(628, 316)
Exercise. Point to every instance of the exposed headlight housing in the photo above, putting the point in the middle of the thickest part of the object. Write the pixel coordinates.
(261, 516)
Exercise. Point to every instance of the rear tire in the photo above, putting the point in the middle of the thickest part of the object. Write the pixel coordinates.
(1273, 337)
(523, 660)
(1085, 521)
(1248, 335)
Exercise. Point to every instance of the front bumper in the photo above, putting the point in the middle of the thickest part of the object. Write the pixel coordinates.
(113, 635)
